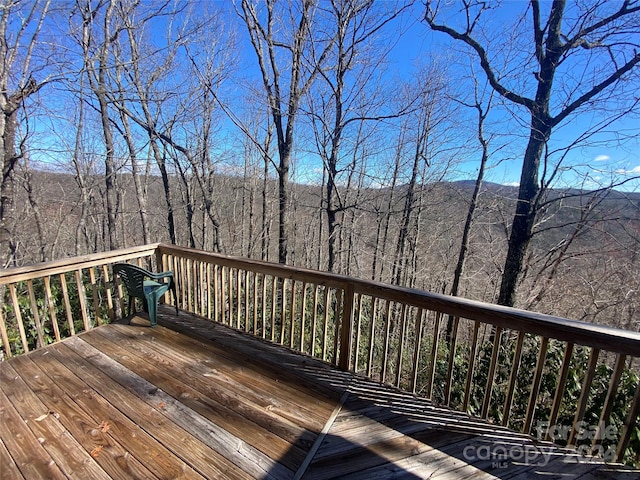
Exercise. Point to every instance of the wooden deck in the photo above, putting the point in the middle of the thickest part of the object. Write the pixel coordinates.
(191, 399)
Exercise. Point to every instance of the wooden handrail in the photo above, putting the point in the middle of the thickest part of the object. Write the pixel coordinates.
(91, 310)
(588, 334)
(39, 270)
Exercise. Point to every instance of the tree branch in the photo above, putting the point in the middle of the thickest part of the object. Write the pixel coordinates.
(584, 98)
(482, 56)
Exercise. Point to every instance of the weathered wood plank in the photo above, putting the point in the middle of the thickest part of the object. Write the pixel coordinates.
(231, 435)
(158, 458)
(234, 369)
(270, 363)
(363, 461)
(9, 470)
(91, 421)
(25, 456)
(117, 384)
(68, 454)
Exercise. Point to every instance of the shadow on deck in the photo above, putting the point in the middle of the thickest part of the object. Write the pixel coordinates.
(193, 399)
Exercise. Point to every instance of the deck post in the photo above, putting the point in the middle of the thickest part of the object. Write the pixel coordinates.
(346, 327)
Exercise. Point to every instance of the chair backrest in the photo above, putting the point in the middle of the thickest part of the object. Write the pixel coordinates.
(132, 277)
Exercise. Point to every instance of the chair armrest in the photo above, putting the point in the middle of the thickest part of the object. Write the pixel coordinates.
(158, 276)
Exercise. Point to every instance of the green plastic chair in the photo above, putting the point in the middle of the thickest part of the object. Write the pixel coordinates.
(141, 283)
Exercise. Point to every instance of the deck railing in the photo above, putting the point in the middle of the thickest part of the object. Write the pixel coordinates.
(45, 303)
(558, 379)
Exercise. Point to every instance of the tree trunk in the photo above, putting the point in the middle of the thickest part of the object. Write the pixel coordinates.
(525, 216)
(380, 250)
(8, 188)
(264, 235)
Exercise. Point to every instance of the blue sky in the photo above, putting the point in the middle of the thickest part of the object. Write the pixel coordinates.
(613, 152)
(587, 166)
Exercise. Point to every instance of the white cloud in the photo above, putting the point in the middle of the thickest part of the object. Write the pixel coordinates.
(512, 184)
(632, 171)
(602, 158)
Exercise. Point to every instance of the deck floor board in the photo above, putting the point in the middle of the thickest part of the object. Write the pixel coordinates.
(81, 415)
(193, 411)
(193, 399)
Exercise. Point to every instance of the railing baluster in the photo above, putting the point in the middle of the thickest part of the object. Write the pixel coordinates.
(497, 335)
(239, 297)
(535, 387)
(325, 322)
(385, 350)
(358, 308)
(614, 381)
(472, 361)
(346, 329)
(195, 290)
(109, 293)
(562, 381)
(217, 296)
(513, 376)
(5, 338)
(303, 315)
(193, 293)
(403, 327)
(584, 394)
(264, 305)
(255, 277)
(283, 310)
(416, 349)
(450, 360)
(207, 285)
(94, 293)
(274, 299)
(337, 322)
(232, 273)
(36, 315)
(292, 313)
(183, 283)
(314, 321)
(82, 298)
(230, 297)
(204, 297)
(433, 356)
(372, 331)
(223, 295)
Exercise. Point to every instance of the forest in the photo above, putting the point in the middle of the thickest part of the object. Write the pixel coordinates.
(294, 131)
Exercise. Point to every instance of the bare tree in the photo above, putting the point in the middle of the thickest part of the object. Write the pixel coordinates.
(349, 96)
(278, 47)
(421, 136)
(482, 111)
(140, 179)
(582, 36)
(20, 25)
(96, 47)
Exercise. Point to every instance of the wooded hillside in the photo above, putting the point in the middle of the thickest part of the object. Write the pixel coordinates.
(584, 263)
